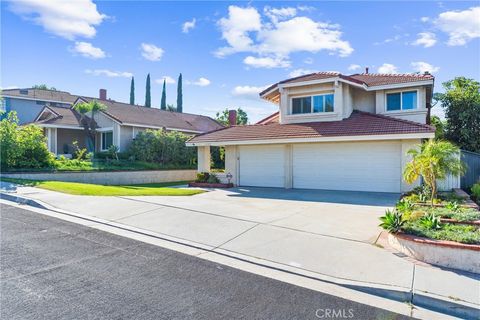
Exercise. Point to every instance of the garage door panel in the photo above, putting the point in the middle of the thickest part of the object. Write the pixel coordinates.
(262, 166)
(361, 166)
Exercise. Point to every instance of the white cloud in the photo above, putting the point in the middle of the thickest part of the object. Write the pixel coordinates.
(87, 50)
(266, 62)
(354, 67)
(109, 73)
(201, 82)
(67, 19)
(423, 67)
(247, 92)
(424, 19)
(300, 72)
(168, 80)
(461, 26)
(151, 52)
(189, 25)
(387, 68)
(274, 41)
(308, 61)
(425, 39)
(276, 14)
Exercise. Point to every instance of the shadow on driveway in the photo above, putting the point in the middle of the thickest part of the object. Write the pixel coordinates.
(382, 199)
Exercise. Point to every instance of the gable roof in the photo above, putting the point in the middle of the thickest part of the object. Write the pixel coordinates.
(135, 115)
(358, 124)
(366, 79)
(60, 117)
(41, 95)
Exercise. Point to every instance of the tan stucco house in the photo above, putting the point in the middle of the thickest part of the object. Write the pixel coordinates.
(118, 125)
(332, 131)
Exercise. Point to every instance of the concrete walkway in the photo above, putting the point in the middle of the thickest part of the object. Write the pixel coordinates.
(324, 235)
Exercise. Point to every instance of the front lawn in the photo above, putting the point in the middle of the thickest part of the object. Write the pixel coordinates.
(86, 189)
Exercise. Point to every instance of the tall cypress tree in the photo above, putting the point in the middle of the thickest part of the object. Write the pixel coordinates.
(163, 104)
(132, 91)
(179, 94)
(148, 99)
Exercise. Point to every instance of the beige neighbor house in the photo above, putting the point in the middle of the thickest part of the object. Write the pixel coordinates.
(118, 125)
(332, 131)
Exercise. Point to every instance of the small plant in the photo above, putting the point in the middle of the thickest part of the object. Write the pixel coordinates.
(213, 178)
(392, 221)
(431, 221)
(113, 152)
(453, 205)
(202, 177)
(476, 191)
(79, 153)
(404, 205)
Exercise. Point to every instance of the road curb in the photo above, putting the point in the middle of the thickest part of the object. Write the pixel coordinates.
(424, 300)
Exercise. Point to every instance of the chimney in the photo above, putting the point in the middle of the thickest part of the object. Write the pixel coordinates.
(102, 94)
(232, 117)
(366, 70)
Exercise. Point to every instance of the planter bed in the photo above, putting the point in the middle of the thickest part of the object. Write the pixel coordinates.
(443, 253)
(210, 185)
(447, 220)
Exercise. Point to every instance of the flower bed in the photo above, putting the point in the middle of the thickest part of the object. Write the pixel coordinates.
(416, 227)
(210, 185)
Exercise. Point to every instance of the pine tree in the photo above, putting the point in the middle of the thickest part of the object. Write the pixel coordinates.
(163, 104)
(179, 94)
(148, 99)
(132, 91)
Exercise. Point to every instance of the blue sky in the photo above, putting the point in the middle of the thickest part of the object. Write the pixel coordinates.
(228, 51)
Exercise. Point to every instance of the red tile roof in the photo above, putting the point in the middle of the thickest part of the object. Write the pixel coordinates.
(359, 123)
(368, 79)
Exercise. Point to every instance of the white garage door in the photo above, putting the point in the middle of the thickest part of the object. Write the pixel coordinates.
(357, 166)
(262, 166)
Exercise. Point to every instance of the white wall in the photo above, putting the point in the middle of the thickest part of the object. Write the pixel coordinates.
(363, 100)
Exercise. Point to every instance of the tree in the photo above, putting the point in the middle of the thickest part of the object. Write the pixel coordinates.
(439, 127)
(242, 117)
(461, 102)
(87, 111)
(171, 107)
(43, 87)
(132, 91)
(433, 160)
(179, 94)
(163, 103)
(148, 98)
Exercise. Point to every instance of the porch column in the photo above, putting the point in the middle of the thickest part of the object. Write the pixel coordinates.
(52, 139)
(203, 158)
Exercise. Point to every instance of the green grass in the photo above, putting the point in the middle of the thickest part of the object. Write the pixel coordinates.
(86, 189)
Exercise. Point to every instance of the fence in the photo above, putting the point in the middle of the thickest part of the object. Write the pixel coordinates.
(472, 161)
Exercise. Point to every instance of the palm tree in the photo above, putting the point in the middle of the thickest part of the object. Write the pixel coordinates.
(87, 112)
(433, 160)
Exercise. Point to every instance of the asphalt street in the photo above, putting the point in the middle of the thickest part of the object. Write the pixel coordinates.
(53, 269)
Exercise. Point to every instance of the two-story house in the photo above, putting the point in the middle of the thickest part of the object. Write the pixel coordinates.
(332, 131)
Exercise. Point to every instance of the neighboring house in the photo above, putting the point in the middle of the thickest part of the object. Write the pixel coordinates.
(29, 102)
(117, 125)
(332, 131)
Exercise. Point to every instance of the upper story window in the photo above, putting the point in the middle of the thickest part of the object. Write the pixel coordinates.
(312, 104)
(406, 100)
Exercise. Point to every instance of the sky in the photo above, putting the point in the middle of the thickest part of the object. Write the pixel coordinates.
(229, 51)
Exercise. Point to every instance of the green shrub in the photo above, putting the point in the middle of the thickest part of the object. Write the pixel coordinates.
(452, 205)
(430, 221)
(162, 147)
(404, 205)
(23, 147)
(392, 221)
(476, 191)
(213, 178)
(202, 177)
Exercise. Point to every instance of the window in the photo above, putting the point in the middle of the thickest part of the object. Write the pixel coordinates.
(107, 140)
(406, 100)
(313, 104)
(23, 91)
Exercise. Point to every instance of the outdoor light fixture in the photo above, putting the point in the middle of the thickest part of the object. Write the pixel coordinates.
(229, 177)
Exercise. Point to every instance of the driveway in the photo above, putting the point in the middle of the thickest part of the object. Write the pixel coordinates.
(327, 235)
